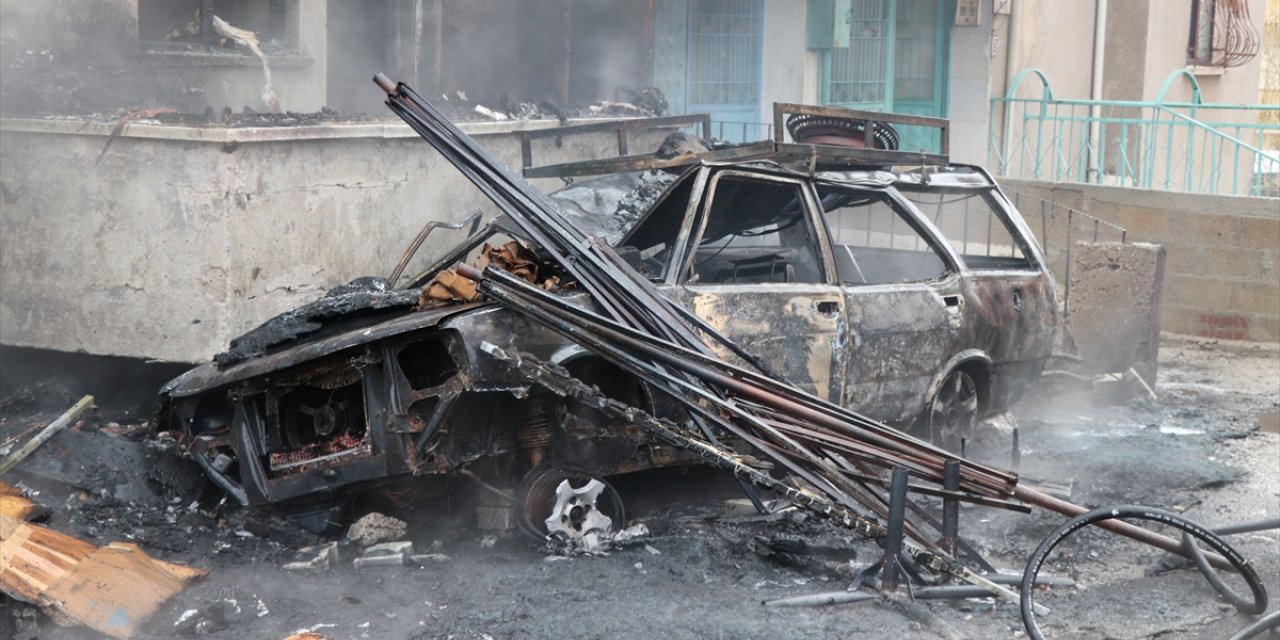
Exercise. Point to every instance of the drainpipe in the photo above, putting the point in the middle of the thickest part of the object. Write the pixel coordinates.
(1093, 174)
(1010, 70)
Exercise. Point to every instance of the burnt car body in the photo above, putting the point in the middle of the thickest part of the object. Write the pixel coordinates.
(919, 297)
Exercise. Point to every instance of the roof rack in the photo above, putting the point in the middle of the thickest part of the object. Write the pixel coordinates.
(812, 156)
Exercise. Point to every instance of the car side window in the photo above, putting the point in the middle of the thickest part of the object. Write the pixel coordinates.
(756, 231)
(874, 242)
(969, 222)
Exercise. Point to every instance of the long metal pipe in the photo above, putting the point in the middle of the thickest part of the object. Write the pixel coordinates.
(1095, 89)
(989, 479)
(1010, 70)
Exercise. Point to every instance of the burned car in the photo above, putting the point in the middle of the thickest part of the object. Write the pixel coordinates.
(914, 294)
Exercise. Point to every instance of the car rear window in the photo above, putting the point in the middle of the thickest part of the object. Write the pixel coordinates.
(874, 242)
(971, 225)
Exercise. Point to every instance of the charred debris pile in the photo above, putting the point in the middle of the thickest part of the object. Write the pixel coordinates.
(831, 461)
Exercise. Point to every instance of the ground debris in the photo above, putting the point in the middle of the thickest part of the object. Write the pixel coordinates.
(316, 558)
(18, 506)
(376, 528)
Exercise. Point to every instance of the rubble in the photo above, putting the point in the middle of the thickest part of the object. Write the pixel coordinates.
(219, 614)
(316, 558)
(374, 529)
(17, 506)
(386, 554)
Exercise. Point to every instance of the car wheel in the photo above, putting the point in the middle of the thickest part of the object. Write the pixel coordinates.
(953, 412)
(568, 505)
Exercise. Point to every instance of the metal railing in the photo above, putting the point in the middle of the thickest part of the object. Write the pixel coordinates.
(1188, 146)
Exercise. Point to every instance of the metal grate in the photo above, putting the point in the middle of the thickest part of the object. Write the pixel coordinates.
(859, 72)
(724, 46)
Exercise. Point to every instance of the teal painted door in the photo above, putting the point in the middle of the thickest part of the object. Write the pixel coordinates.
(724, 64)
(921, 65)
(891, 56)
(857, 69)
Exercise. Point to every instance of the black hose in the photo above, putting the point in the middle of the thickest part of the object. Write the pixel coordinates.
(1269, 621)
(1211, 575)
(1211, 539)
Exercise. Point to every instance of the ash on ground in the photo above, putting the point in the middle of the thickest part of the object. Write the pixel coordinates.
(701, 572)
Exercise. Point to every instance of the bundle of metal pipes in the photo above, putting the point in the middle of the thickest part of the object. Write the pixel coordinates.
(837, 460)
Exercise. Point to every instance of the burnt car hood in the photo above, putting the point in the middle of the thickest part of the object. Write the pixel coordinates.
(210, 375)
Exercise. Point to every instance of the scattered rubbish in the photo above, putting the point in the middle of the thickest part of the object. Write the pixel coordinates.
(316, 558)
(385, 554)
(391, 560)
(45, 434)
(425, 558)
(220, 613)
(16, 505)
(312, 632)
(376, 528)
(490, 113)
(402, 547)
(111, 589)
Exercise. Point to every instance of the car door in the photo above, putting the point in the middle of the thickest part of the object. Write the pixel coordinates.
(902, 292)
(754, 269)
(1010, 296)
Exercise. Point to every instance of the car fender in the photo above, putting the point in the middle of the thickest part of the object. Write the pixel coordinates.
(968, 355)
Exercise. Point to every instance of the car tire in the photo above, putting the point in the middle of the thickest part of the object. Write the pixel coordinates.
(952, 415)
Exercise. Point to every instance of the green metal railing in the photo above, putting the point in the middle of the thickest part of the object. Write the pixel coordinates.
(1189, 146)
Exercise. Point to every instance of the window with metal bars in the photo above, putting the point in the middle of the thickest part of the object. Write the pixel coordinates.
(1222, 34)
(166, 24)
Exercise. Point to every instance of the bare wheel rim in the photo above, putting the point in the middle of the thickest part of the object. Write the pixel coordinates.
(538, 497)
(953, 413)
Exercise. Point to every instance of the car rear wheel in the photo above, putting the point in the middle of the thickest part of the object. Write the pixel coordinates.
(953, 412)
(569, 506)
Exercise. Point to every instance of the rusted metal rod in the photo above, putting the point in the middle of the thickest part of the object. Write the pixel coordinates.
(45, 434)
(985, 480)
(1115, 526)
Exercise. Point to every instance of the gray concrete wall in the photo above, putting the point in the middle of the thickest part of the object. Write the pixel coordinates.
(1222, 275)
(182, 238)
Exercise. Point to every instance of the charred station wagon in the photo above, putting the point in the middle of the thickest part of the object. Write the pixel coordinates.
(915, 294)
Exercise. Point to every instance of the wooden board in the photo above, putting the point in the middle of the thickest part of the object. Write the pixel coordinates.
(110, 589)
(33, 558)
(16, 505)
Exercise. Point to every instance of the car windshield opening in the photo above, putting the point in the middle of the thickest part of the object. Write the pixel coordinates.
(757, 231)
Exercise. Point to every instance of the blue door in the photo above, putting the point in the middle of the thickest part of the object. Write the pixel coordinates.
(922, 41)
(888, 55)
(723, 72)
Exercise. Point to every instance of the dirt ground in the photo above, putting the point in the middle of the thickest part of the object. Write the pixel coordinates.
(1196, 450)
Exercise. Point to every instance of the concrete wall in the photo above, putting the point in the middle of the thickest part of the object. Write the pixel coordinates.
(182, 238)
(1222, 276)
